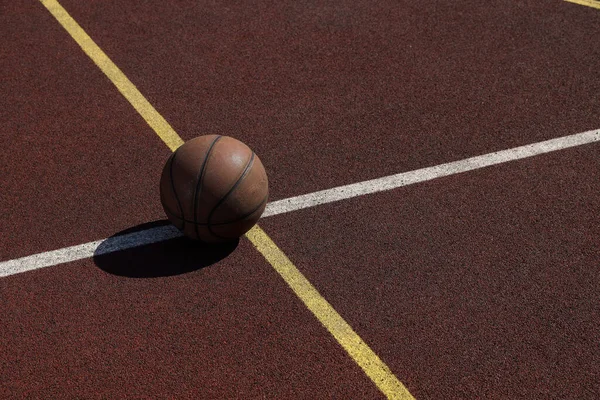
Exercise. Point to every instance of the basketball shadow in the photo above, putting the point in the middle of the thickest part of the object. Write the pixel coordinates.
(156, 249)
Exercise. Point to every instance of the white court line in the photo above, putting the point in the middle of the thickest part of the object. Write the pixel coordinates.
(88, 250)
(159, 234)
(426, 174)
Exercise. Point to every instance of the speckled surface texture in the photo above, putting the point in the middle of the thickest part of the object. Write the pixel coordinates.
(78, 163)
(336, 92)
(479, 285)
(228, 330)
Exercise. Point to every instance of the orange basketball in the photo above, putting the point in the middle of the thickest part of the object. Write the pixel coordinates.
(214, 188)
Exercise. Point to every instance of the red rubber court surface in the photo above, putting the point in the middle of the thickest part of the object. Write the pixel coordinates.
(481, 285)
(78, 163)
(361, 89)
(477, 285)
(222, 331)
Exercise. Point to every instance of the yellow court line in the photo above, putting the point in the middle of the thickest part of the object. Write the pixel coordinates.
(589, 3)
(128, 89)
(358, 350)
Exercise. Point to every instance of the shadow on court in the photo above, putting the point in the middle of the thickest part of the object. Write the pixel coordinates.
(156, 249)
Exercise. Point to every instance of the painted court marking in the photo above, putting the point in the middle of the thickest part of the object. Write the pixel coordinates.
(426, 174)
(153, 235)
(589, 3)
(88, 250)
(358, 350)
(117, 77)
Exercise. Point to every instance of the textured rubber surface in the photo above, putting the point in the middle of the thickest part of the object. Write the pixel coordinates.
(228, 330)
(78, 163)
(475, 285)
(339, 92)
(479, 285)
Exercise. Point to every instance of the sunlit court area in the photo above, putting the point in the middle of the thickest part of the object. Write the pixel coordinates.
(339, 199)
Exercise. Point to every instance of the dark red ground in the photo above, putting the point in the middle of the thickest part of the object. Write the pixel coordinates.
(78, 162)
(229, 330)
(481, 285)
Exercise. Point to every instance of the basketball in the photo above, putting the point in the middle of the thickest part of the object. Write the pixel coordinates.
(214, 188)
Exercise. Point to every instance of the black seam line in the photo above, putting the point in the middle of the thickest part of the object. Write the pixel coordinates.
(243, 217)
(237, 220)
(199, 182)
(173, 186)
(219, 223)
(235, 185)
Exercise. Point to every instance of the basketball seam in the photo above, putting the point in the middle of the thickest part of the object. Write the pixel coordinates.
(237, 220)
(199, 182)
(173, 188)
(243, 217)
(235, 185)
(219, 223)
